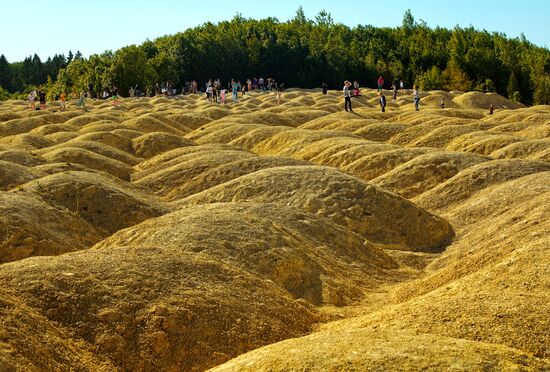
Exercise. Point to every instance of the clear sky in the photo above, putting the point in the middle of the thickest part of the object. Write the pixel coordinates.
(47, 27)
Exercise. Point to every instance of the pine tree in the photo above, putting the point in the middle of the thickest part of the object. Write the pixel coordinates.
(6, 74)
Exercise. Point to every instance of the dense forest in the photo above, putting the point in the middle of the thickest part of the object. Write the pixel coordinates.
(303, 53)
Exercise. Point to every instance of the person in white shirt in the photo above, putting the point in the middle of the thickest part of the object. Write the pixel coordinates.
(347, 95)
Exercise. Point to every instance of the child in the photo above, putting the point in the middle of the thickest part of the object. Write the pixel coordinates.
(63, 97)
(356, 92)
(82, 101)
(115, 96)
(222, 96)
(32, 98)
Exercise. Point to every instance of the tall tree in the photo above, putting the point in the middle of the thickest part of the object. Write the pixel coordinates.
(5, 74)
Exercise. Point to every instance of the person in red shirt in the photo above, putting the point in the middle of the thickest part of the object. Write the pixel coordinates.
(380, 83)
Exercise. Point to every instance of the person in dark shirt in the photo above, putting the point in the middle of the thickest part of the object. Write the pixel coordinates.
(325, 88)
(42, 98)
(382, 101)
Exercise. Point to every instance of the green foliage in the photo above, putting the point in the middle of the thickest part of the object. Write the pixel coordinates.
(456, 78)
(513, 85)
(302, 52)
(487, 86)
(516, 96)
(432, 79)
(4, 94)
(542, 90)
(5, 74)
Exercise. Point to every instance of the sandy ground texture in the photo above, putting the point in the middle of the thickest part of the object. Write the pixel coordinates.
(176, 234)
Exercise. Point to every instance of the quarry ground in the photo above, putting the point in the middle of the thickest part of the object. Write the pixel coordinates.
(176, 234)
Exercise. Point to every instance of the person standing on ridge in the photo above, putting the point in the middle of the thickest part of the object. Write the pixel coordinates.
(42, 98)
(62, 98)
(394, 88)
(280, 89)
(32, 98)
(491, 109)
(401, 86)
(82, 101)
(235, 91)
(380, 83)
(325, 88)
(115, 95)
(442, 103)
(347, 95)
(416, 95)
(382, 101)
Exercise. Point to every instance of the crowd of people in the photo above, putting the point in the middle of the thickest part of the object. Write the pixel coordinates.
(350, 91)
(216, 92)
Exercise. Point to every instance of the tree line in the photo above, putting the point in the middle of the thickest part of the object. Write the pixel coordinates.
(303, 53)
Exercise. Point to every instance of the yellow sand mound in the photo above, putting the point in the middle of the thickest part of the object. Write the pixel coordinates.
(26, 141)
(105, 202)
(120, 142)
(98, 148)
(89, 159)
(522, 150)
(23, 333)
(221, 132)
(222, 229)
(482, 142)
(375, 165)
(365, 349)
(148, 123)
(441, 137)
(14, 174)
(155, 143)
(471, 180)
(18, 126)
(379, 216)
(248, 140)
(496, 272)
(307, 256)
(229, 171)
(22, 157)
(61, 137)
(54, 128)
(289, 142)
(425, 172)
(187, 310)
(170, 158)
(484, 100)
(32, 227)
(344, 157)
(170, 179)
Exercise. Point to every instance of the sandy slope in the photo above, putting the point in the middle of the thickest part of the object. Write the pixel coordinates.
(177, 234)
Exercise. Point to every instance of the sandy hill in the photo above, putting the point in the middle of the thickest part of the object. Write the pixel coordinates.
(172, 233)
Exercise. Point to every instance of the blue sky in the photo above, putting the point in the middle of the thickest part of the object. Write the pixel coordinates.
(47, 27)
